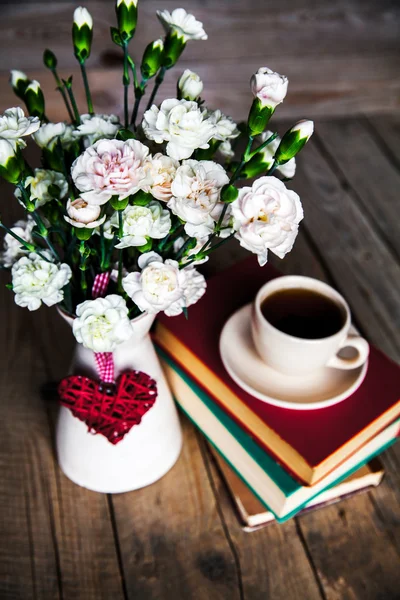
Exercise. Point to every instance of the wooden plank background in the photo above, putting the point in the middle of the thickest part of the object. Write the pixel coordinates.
(341, 57)
(180, 538)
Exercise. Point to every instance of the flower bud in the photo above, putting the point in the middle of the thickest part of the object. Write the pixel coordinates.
(82, 33)
(12, 164)
(83, 233)
(152, 59)
(269, 87)
(190, 86)
(293, 141)
(118, 204)
(258, 164)
(174, 45)
(49, 59)
(127, 18)
(19, 82)
(142, 198)
(229, 193)
(34, 99)
(259, 116)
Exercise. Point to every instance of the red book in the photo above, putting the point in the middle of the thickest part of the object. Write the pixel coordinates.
(309, 443)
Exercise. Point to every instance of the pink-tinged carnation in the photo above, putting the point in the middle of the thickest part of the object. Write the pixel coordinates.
(269, 87)
(266, 217)
(110, 168)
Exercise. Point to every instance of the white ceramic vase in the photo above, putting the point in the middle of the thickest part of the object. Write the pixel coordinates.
(147, 452)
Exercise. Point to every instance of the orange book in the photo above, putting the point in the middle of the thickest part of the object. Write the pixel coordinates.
(253, 514)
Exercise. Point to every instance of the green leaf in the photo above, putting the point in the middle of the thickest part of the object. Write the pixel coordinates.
(115, 36)
(125, 134)
(229, 193)
(142, 198)
(118, 204)
(146, 247)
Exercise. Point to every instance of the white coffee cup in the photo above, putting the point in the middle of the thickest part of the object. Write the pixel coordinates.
(295, 355)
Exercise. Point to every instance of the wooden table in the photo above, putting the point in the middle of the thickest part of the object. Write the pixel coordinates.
(179, 538)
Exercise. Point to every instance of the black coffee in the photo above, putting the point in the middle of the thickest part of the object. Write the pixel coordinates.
(303, 313)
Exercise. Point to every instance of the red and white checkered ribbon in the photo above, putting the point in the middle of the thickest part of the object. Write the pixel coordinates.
(105, 366)
(100, 284)
(104, 360)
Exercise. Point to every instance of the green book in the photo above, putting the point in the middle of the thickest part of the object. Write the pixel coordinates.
(273, 486)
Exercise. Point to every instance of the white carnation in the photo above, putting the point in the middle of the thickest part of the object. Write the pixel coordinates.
(184, 24)
(225, 127)
(226, 150)
(110, 168)
(190, 85)
(40, 183)
(142, 222)
(194, 287)
(196, 191)
(161, 170)
(68, 137)
(269, 87)
(266, 217)
(182, 124)
(96, 127)
(35, 280)
(158, 286)
(47, 135)
(83, 215)
(14, 125)
(102, 324)
(13, 249)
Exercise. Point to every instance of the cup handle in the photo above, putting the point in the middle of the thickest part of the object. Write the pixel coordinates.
(352, 341)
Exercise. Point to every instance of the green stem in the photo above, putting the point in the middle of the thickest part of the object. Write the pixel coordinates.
(158, 82)
(120, 225)
(138, 99)
(63, 94)
(275, 165)
(243, 161)
(169, 240)
(133, 68)
(220, 243)
(66, 173)
(68, 298)
(77, 118)
(27, 245)
(102, 247)
(126, 82)
(263, 145)
(109, 253)
(87, 88)
(82, 268)
(120, 265)
(52, 249)
(70, 250)
(207, 252)
(183, 249)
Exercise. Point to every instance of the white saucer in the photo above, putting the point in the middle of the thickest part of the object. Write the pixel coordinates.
(324, 387)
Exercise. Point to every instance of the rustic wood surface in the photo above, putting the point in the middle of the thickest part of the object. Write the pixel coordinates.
(341, 57)
(180, 537)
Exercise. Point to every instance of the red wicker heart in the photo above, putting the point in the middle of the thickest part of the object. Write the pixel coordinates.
(108, 409)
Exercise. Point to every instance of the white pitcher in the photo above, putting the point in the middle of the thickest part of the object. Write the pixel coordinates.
(148, 451)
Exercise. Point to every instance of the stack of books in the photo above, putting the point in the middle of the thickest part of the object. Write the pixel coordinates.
(290, 460)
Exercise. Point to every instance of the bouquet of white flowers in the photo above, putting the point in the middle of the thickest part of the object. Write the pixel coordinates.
(118, 217)
(126, 210)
